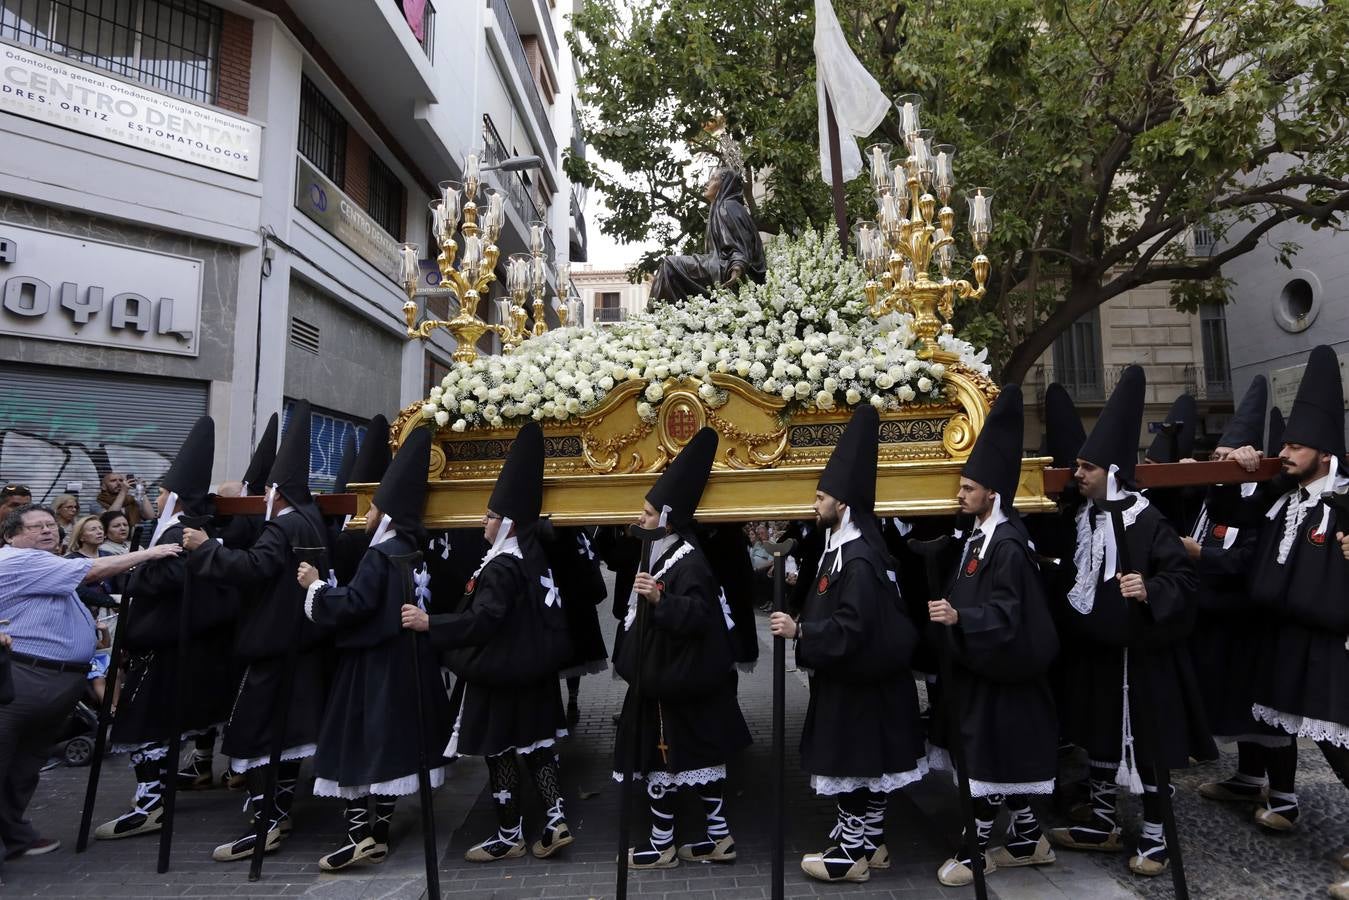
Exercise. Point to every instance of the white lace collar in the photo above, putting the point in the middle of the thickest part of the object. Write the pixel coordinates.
(834, 539)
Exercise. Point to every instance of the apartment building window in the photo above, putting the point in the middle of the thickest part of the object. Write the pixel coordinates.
(1217, 363)
(323, 133)
(386, 197)
(1077, 358)
(421, 17)
(171, 45)
(608, 306)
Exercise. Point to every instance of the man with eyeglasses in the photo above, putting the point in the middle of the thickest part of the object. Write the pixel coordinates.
(53, 637)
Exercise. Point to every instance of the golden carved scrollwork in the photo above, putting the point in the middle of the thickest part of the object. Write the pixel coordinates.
(599, 463)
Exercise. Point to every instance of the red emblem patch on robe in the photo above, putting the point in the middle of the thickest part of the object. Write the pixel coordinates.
(1220, 531)
(972, 566)
(1317, 538)
(468, 588)
(823, 585)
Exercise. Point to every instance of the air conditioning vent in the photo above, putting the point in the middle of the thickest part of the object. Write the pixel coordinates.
(304, 335)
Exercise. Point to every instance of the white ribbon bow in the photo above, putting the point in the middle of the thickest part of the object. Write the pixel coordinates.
(553, 597)
(421, 580)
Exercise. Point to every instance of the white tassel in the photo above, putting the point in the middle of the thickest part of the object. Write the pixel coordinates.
(1126, 776)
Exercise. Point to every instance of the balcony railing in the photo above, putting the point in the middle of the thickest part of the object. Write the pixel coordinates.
(1203, 385)
(517, 51)
(608, 315)
(428, 40)
(1084, 385)
(513, 184)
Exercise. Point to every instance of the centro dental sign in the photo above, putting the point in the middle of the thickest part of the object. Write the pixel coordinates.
(58, 92)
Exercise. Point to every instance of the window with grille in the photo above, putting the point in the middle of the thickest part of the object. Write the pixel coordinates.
(1077, 358)
(170, 45)
(323, 133)
(1217, 365)
(386, 197)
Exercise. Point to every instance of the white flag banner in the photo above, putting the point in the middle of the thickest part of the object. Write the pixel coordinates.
(859, 104)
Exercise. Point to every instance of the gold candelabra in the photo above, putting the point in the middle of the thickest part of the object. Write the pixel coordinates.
(897, 250)
(473, 276)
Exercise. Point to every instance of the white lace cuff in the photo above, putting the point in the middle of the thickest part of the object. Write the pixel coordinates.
(309, 596)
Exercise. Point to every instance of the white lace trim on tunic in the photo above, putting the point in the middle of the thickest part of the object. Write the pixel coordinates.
(680, 552)
(1096, 546)
(1301, 726)
(678, 779)
(303, 751)
(995, 788)
(831, 785)
(398, 787)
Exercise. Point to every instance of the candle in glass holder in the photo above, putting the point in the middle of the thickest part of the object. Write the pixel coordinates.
(412, 267)
(981, 216)
(472, 259)
(437, 208)
(945, 175)
(536, 236)
(540, 272)
(909, 106)
(563, 277)
(450, 193)
(472, 172)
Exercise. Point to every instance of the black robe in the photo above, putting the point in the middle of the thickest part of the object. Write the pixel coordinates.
(1230, 632)
(1302, 681)
(578, 576)
(272, 630)
(1163, 689)
(1001, 649)
(726, 548)
(732, 241)
(690, 721)
(151, 622)
(369, 730)
(507, 696)
(856, 640)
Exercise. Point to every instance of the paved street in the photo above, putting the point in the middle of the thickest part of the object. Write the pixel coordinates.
(1225, 855)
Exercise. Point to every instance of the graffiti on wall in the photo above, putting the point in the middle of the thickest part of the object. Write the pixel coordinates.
(327, 434)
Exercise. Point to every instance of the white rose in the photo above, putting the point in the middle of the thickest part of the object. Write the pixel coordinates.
(644, 410)
(853, 397)
(497, 422)
(884, 381)
(878, 401)
(770, 385)
(937, 369)
(654, 391)
(459, 425)
(441, 418)
(756, 371)
(925, 384)
(803, 389)
(573, 405)
(912, 366)
(429, 410)
(847, 373)
(789, 392)
(606, 383)
(906, 393)
(867, 373)
(468, 407)
(824, 400)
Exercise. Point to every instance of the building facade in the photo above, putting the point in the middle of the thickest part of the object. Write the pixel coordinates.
(202, 207)
(607, 295)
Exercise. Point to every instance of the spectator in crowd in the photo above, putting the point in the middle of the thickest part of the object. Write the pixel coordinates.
(121, 491)
(53, 638)
(67, 509)
(762, 563)
(12, 496)
(116, 532)
(86, 541)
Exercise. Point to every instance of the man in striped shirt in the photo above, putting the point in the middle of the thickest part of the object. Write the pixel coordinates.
(53, 638)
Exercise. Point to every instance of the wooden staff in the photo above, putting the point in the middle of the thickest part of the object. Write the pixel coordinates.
(647, 536)
(779, 552)
(930, 551)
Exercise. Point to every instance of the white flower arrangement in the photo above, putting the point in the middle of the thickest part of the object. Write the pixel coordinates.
(804, 334)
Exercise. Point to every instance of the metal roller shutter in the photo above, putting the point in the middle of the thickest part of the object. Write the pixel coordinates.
(65, 426)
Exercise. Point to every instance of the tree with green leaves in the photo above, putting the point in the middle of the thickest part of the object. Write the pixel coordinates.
(1108, 131)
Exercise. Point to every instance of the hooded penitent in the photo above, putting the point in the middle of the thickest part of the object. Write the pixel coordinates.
(346, 464)
(290, 470)
(1317, 417)
(1274, 440)
(1247, 425)
(374, 456)
(995, 461)
(850, 474)
(1176, 439)
(260, 463)
(189, 477)
(680, 486)
(1114, 440)
(1064, 434)
(518, 494)
(401, 494)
